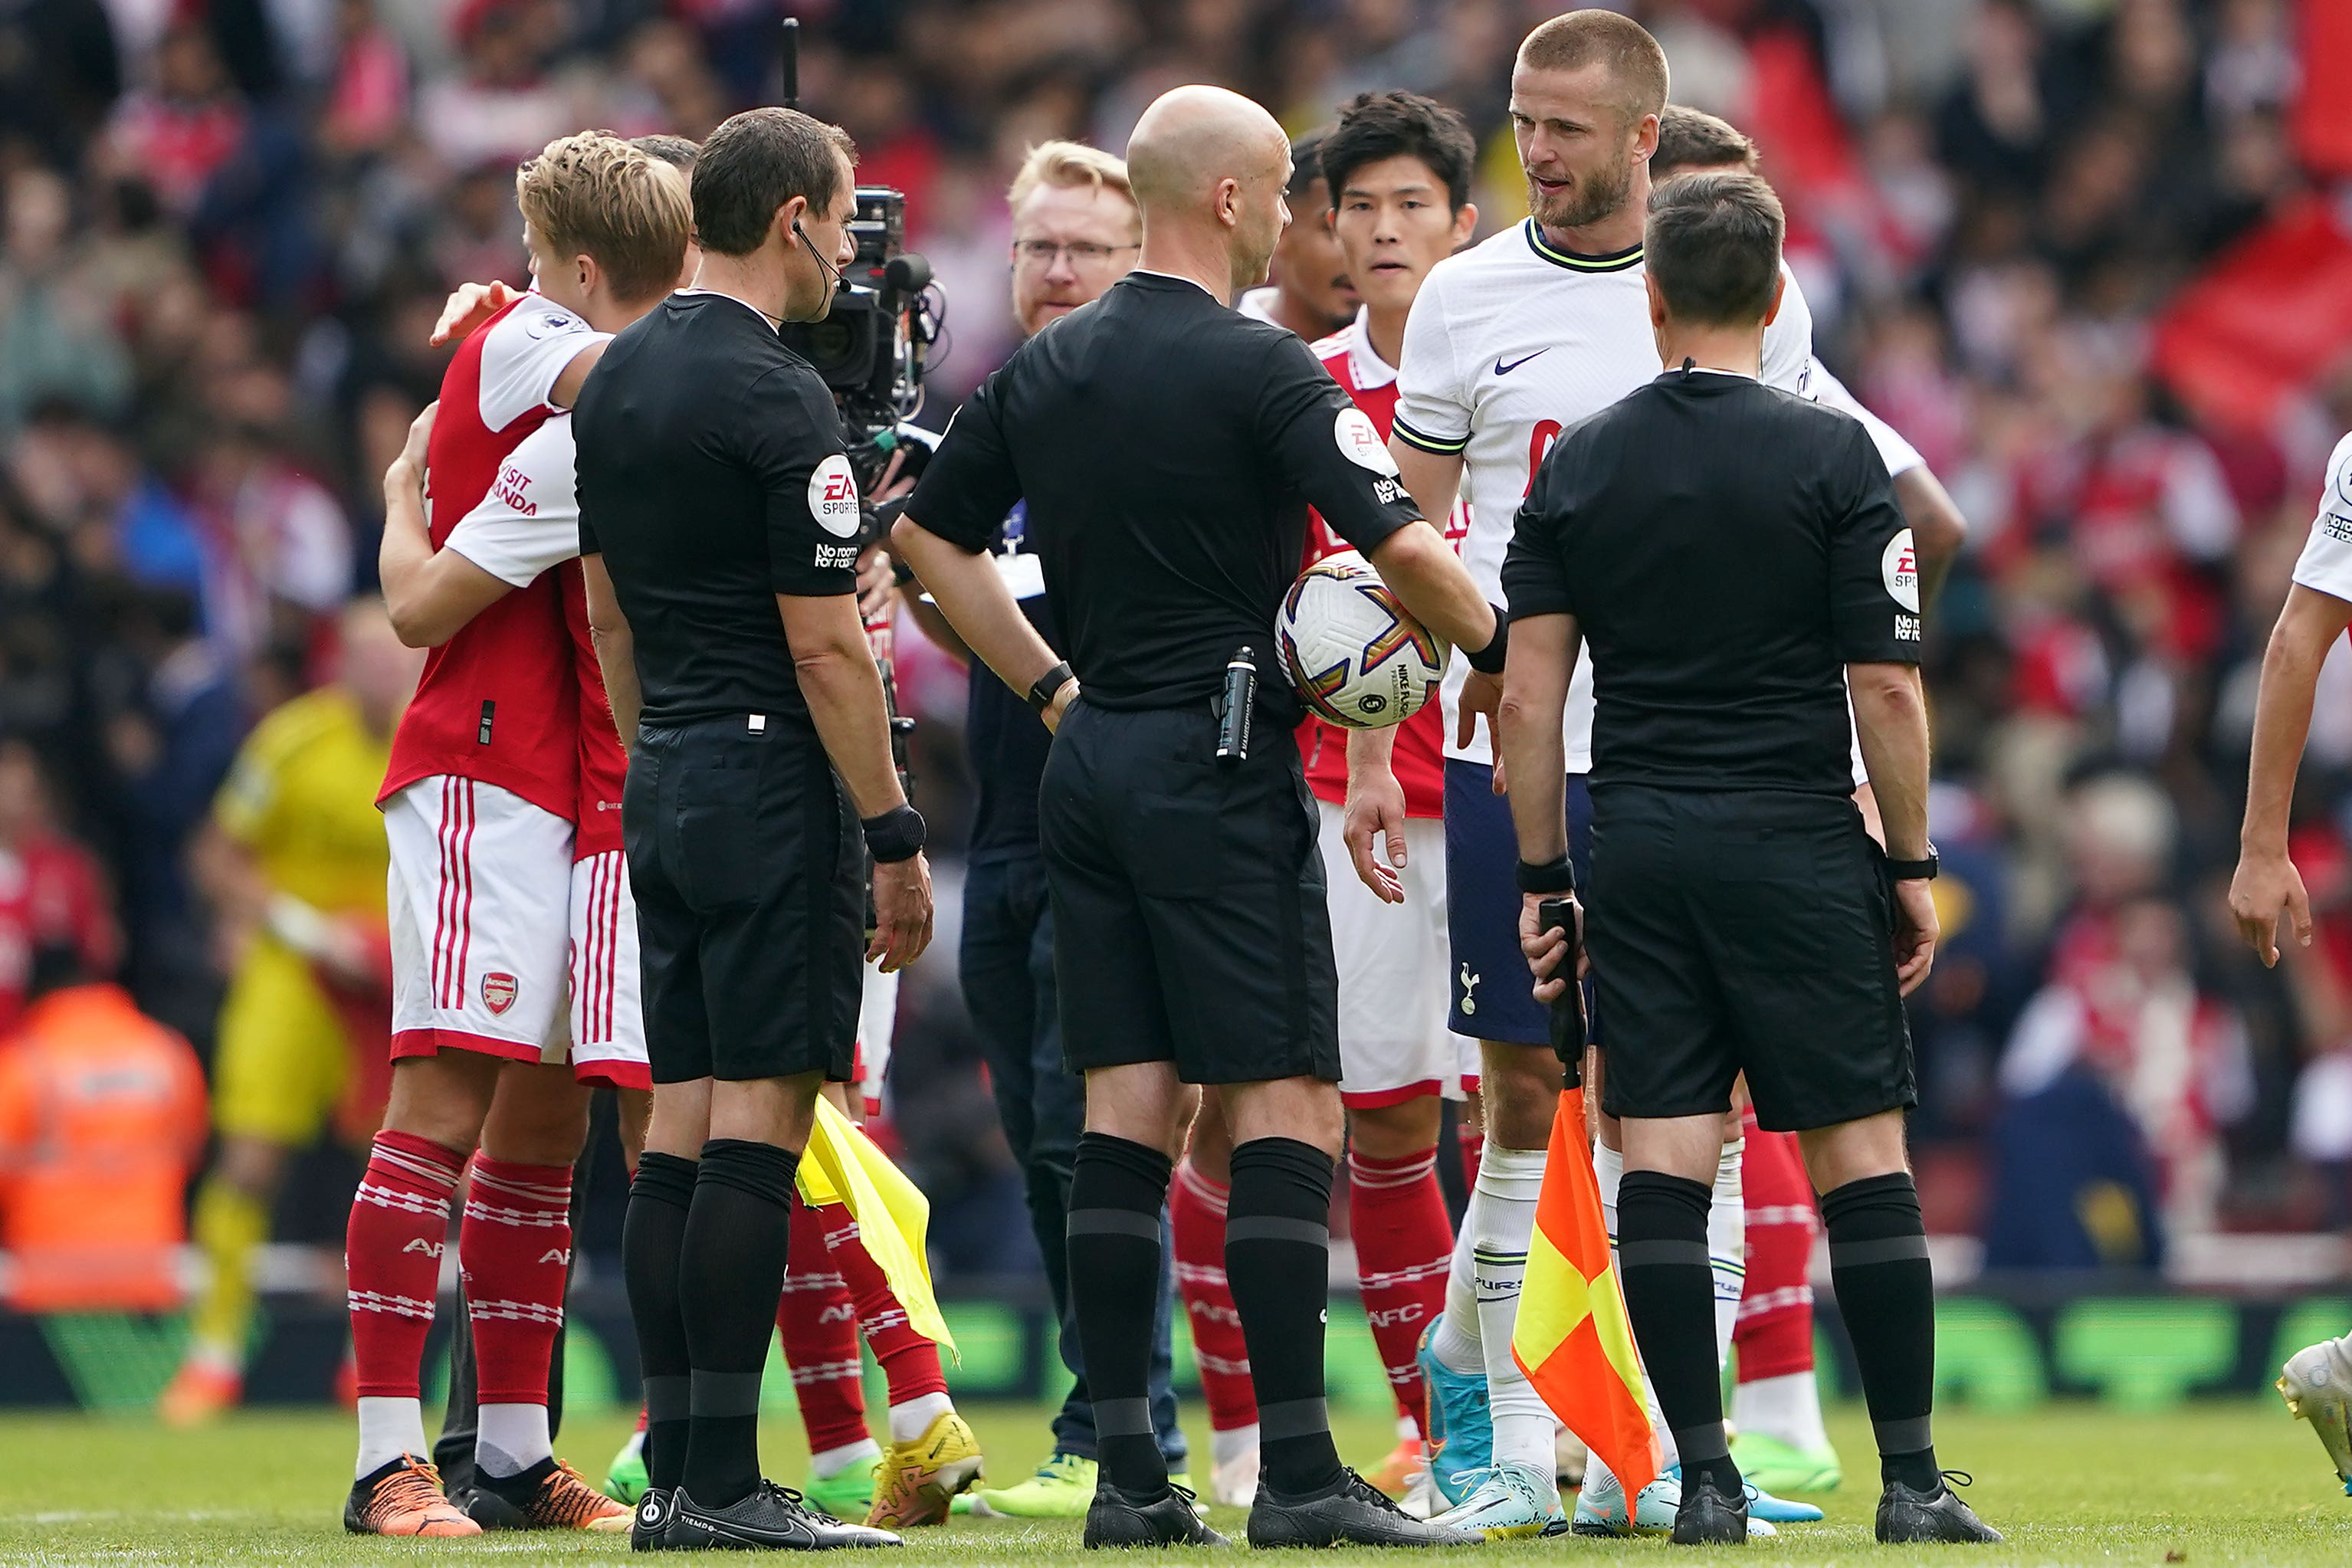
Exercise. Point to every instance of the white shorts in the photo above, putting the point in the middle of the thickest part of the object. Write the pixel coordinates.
(608, 1018)
(1393, 1042)
(480, 898)
(878, 1025)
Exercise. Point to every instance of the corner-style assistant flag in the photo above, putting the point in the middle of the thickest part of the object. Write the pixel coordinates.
(1572, 1339)
(894, 1219)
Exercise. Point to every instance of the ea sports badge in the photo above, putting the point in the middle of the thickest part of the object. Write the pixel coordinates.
(833, 497)
(1898, 568)
(1360, 441)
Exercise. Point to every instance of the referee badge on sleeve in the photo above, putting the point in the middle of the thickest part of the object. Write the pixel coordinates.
(1360, 441)
(833, 497)
(1899, 569)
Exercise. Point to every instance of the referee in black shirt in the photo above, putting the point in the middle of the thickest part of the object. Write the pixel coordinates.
(1167, 448)
(719, 524)
(1735, 557)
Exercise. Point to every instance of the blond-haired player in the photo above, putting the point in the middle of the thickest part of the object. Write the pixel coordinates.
(509, 943)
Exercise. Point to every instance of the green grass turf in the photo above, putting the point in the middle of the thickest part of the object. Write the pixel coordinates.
(2232, 1482)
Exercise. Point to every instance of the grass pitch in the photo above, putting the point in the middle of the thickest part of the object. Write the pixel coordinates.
(2217, 1483)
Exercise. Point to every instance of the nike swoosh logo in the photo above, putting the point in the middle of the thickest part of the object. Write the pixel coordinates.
(1502, 369)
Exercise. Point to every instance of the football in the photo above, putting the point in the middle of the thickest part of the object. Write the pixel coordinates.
(1354, 654)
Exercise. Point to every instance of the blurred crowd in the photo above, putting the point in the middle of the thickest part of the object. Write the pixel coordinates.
(226, 227)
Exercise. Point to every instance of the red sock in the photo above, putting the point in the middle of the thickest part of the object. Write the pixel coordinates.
(910, 1362)
(1473, 1146)
(819, 1325)
(1403, 1248)
(513, 1248)
(392, 1256)
(1197, 1210)
(1775, 1330)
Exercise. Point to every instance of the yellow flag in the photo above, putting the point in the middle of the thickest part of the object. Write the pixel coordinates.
(1573, 1337)
(842, 1165)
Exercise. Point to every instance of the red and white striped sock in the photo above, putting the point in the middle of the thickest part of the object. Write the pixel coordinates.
(392, 1258)
(910, 1360)
(514, 1251)
(1403, 1248)
(1196, 1207)
(1774, 1334)
(819, 1325)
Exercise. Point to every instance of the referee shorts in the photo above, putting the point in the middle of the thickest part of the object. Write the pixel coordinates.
(748, 866)
(1748, 931)
(1189, 900)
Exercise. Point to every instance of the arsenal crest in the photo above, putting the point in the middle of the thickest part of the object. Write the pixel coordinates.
(498, 991)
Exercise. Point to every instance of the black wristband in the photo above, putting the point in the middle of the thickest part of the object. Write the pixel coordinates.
(900, 572)
(895, 835)
(1915, 871)
(1488, 660)
(1049, 686)
(1550, 877)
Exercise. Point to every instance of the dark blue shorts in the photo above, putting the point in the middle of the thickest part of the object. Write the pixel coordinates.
(1492, 993)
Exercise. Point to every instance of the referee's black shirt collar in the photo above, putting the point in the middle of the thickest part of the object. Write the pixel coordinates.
(1716, 376)
(1143, 278)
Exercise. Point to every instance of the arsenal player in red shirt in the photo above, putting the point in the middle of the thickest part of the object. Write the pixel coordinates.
(480, 805)
(1398, 168)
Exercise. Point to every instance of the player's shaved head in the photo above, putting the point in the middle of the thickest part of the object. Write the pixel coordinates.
(1209, 165)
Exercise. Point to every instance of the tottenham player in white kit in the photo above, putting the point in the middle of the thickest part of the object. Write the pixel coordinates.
(2317, 1380)
(1509, 343)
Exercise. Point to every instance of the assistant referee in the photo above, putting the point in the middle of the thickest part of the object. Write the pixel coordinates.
(719, 522)
(1168, 448)
(1734, 555)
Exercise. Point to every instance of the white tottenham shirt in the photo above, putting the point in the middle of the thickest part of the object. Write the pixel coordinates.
(2325, 563)
(1510, 342)
(530, 520)
(1899, 456)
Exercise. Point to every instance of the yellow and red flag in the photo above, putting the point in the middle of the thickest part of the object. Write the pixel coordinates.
(1573, 1340)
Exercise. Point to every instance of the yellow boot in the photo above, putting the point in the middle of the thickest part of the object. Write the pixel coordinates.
(916, 1482)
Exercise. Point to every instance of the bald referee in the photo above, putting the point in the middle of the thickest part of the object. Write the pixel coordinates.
(1168, 448)
(1734, 556)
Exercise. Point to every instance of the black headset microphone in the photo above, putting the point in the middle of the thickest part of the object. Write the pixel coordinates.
(903, 276)
(813, 250)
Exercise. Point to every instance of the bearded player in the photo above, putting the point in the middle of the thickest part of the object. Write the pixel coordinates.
(482, 807)
(1397, 168)
(1509, 343)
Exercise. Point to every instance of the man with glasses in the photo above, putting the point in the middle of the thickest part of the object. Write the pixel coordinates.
(1076, 232)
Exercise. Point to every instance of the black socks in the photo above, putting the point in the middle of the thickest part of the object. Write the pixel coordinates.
(1670, 1295)
(731, 1269)
(1887, 1294)
(1278, 1242)
(1117, 1191)
(651, 1234)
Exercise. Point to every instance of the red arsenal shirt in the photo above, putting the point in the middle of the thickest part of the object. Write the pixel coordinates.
(1419, 759)
(497, 700)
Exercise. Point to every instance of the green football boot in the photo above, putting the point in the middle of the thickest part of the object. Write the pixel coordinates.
(1783, 1467)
